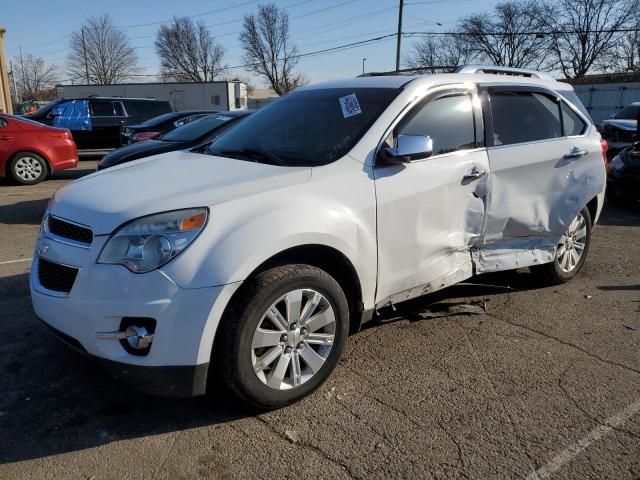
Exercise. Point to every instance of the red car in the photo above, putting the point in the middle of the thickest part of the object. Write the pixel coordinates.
(31, 151)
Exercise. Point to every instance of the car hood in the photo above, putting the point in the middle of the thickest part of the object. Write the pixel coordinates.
(622, 124)
(106, 199)
(136, 150)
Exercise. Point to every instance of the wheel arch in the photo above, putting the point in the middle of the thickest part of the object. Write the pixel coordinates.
(327, 258)
(592, 206)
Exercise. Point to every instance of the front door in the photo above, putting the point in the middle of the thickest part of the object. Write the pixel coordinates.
(539, 175)
(431, 211)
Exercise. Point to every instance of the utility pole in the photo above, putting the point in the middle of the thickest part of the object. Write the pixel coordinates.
(399, 35)
(15, 86)
(363, 60)
(84, 50)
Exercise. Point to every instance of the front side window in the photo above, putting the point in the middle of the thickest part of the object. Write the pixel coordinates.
(520, 117)
(306, 127)
(448, 120)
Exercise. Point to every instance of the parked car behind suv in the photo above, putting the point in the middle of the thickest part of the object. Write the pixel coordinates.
(191, 135)
(337, 199)
(157, 126)
(620, 128)
(31, 151)
(95, 121)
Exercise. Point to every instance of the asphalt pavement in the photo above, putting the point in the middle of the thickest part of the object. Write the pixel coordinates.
(497, 378)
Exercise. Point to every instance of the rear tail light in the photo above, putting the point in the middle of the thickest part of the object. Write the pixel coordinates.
(138, 137)
(65, 134)
(605, 147)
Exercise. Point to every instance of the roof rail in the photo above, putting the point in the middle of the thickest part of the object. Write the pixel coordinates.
(522, 72)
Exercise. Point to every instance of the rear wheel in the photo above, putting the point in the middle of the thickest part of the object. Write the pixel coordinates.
(283, 335)
(571, 251)
(28, 168)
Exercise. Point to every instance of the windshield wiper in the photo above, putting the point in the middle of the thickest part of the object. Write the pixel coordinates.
(253, 154)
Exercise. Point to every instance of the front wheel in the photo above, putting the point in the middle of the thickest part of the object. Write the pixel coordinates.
(283, 335)
(571, 251)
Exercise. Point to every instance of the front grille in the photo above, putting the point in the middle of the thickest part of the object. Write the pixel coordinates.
(69, 230)
(56, 277)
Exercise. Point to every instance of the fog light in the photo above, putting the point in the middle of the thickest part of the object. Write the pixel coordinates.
(135, 335)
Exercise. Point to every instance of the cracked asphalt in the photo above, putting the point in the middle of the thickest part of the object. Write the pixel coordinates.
(540, 382)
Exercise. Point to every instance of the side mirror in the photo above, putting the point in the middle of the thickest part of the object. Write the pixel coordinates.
(408, 148)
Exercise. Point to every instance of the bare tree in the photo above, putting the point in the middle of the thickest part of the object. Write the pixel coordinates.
(34, 78)
(440, 51)
(188, 51)
(504, 37)
(101, 53)
(587, 31)
(267, 48)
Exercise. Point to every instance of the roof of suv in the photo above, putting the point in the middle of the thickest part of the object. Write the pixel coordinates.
(399, 81)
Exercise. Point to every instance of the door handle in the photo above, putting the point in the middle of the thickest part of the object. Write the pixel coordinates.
(474, 173)
(5, 137)
(575, 152)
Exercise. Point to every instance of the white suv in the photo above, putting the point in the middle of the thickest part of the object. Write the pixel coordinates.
(257, 259)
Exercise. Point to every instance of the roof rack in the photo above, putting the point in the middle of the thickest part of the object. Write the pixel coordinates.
(492, 69)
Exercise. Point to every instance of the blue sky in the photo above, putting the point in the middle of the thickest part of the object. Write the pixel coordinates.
(41, 27)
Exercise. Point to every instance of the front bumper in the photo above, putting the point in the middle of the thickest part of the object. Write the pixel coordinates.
(166, 381)
(102, 295)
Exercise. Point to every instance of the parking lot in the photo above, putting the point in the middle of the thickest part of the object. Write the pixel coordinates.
(500, 378)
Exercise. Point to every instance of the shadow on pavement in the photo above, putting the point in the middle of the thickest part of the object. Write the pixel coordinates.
(29, 212)
(620, 217)
(56, 401)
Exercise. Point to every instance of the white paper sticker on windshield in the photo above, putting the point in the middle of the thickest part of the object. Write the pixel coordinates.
(350, 105)
(222, 118)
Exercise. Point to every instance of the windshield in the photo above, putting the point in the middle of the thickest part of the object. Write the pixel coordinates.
(152, 122)
(306, 127)
(196, 129)
(629, 113)
(44, 109)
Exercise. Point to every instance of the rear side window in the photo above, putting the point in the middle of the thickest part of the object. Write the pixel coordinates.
(447, 120)
(573, 124)
(147, 109)
(520, 117)
(102, 109)
(571, 96)
(3, 123)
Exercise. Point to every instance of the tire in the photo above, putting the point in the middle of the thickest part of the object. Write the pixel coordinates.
(257, 350)
(28, 168)
(565, 267)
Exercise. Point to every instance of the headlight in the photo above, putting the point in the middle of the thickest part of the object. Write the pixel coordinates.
(149, 242)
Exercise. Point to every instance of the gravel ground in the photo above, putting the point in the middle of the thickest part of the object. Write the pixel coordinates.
(480, 381)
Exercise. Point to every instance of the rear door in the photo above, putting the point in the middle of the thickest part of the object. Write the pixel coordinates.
(107, 117)
(541, 170)
(8, 135)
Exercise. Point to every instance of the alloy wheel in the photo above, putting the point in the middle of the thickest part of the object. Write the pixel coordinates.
(293, 339)
(28, 169)
(572, 244)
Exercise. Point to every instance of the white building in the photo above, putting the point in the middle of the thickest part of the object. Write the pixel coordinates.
(182, 95)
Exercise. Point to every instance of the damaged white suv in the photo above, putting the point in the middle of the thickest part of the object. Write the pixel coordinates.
(256, 259)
